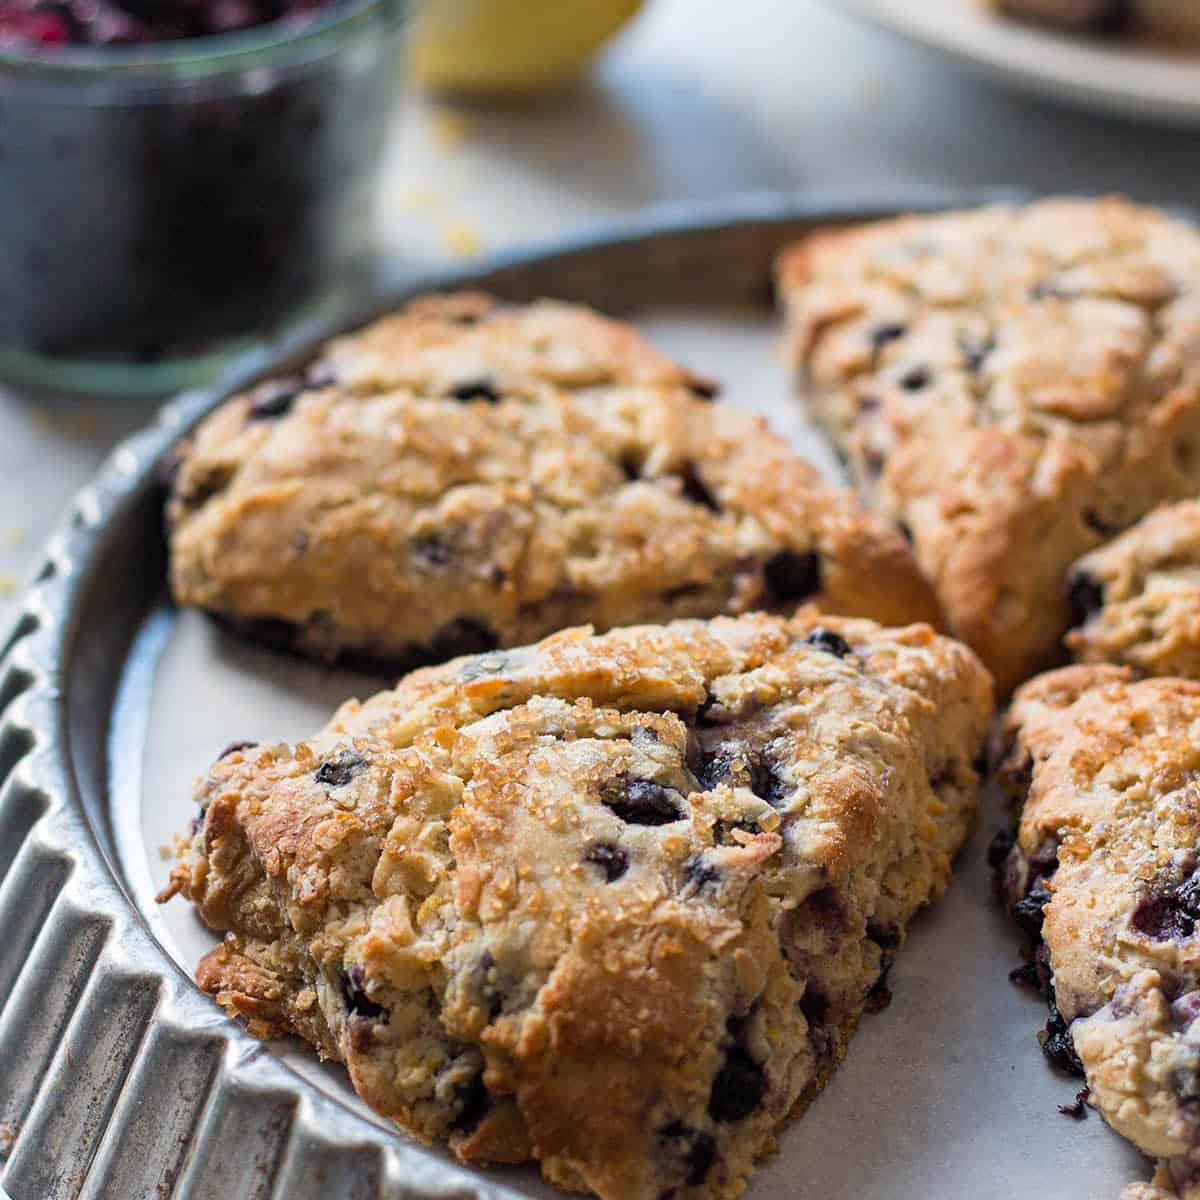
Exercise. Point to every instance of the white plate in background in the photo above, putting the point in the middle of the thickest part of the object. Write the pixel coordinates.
(1130, 76)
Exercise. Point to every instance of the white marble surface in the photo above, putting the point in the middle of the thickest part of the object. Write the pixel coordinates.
(697, 100)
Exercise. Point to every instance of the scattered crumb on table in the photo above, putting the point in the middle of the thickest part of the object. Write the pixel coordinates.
(8, 1136)
(419, 200)
(450, 128)
(872, 91)
(67, 422)
(461, 240)
(8, 584)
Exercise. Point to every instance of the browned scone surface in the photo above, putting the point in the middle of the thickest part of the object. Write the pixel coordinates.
(1108, 771)
(466, 475)
(614, 903)
(1013, 385)
(1137, 600)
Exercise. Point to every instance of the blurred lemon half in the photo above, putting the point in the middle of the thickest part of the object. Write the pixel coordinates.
(514, 47)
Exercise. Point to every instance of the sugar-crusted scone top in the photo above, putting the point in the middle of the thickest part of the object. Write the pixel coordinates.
(1015, 385)
(1110, 821)
(1137, 599)
(614, 903)
(466, 474)
(442, 344)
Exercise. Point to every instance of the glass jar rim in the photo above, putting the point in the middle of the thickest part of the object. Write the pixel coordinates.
(266, 45)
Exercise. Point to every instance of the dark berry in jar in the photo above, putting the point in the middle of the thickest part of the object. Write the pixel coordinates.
(45, 26)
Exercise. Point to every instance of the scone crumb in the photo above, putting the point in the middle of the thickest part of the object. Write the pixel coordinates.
(419, 200)
(8, 1135)
(461, 239)
(451, 128)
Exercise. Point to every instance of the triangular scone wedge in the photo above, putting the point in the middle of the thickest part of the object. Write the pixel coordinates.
(1105, 873)
(614, 903)
(467, 475)
(1012, 385)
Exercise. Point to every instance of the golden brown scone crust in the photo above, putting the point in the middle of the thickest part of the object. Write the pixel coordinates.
(613, 903)
(1163, 1187)
(465, 475)
(1137, 599)
(1111, 773)
(1014, 385)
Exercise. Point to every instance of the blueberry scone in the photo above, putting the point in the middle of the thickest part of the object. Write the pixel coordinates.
(1105, 877)
(466, 475)
(613, 903)
(1014, 386)
(1137, 600)
(1165, 18)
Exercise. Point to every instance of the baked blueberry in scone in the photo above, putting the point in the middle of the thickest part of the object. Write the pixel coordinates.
(467, 475)
(1137, 600)
(1014, 386)
(1105, 877)
(611, 903)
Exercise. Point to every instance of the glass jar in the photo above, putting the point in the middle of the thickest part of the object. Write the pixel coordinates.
(161, 203)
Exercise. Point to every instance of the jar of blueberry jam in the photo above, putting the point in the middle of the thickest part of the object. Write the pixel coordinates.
(179, 175)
